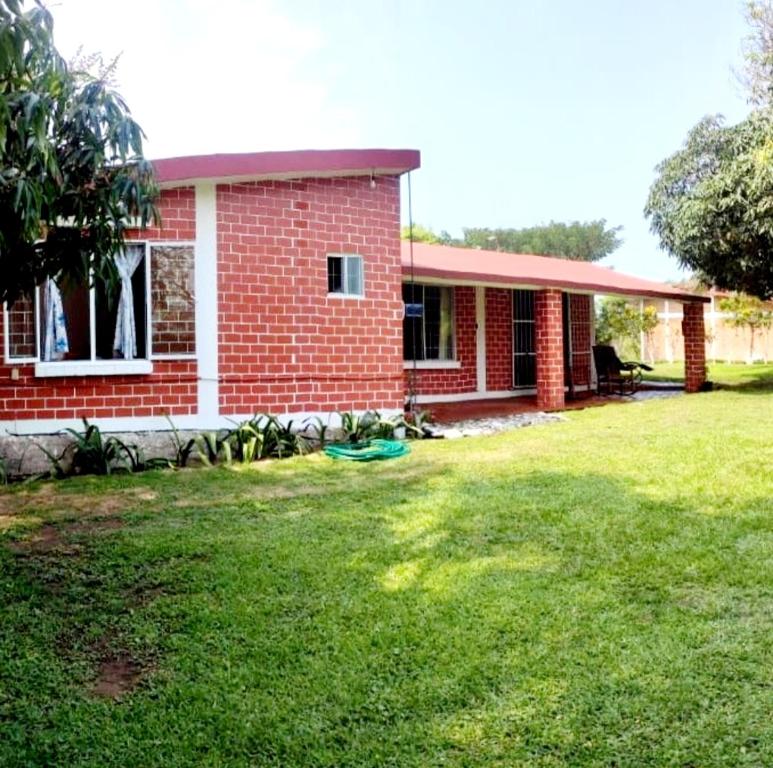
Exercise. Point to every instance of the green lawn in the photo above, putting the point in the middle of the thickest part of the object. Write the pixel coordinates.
(597, 592)
(722, 374)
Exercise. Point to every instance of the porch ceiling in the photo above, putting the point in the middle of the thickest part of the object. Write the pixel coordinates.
(442, 262)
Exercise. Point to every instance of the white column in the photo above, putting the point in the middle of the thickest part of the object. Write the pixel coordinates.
(206, 305)
(480, 336)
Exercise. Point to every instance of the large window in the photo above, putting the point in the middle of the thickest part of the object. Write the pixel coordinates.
(146, 313)
(428, 327)
(524, 340)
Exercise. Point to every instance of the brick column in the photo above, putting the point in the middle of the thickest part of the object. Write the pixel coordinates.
(694, 346)
(548, 317)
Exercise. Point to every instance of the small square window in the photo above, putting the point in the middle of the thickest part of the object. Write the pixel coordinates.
(344, 275)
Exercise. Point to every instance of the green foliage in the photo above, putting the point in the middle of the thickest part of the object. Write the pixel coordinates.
(758, 52)
(747, 312)
(422, 234)
(415, 422)
(213, 448)
(360, 427)
(135, 459)
(266, 437)
(319, 428)
(183, 448)
(72, 172)
(3, 471)
(583, 241)
(711, 204)
(88, 454)
(617, 320)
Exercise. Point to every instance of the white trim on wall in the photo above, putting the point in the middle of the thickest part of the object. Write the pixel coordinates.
(480, 337)
(430, 365)
(207, 321)
(117, 367)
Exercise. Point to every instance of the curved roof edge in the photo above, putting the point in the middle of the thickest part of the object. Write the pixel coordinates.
(441, 262)
(307, 163)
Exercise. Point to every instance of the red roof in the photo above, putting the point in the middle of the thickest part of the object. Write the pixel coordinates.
(309, 163)
(466, 265)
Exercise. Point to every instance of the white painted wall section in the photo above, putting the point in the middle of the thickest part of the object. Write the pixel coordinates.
(206, 306)
(480, 336)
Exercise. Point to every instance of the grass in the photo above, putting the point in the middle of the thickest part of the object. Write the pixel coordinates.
(592, 593)
(722, 374)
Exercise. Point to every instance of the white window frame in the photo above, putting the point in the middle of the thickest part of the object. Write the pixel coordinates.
(435, 362)
(94, 367)
(345, 257)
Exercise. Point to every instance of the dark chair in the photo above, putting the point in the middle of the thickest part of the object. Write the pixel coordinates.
(613, 374)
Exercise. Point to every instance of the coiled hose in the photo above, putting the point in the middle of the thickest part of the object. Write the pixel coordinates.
(368, 450)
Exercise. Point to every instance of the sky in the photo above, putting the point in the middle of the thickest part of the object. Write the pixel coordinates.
(525, 111)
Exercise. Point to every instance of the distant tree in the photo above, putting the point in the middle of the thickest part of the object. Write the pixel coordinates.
(422, 234)
(72, 172)
(584, 241)
(747, 312)
(757, 74)
(620, 321)
(711, 204)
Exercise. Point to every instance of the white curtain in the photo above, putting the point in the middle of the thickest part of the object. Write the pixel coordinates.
(55, 343)
(125, 340)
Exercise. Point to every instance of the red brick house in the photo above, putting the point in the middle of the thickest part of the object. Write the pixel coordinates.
(276, 283)
(522, 324)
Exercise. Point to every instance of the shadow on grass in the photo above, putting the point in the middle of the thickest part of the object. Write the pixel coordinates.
(402, 614)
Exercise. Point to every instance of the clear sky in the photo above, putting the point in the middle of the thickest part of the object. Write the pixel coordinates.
(524, 110)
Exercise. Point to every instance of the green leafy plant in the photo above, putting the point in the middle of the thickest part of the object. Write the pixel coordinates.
(415, 423)
(319, 428)
(3, 472)
(135, 459)
(213, 448)
(264, 437)
(183, 448)
(369, 425)
(92, 454)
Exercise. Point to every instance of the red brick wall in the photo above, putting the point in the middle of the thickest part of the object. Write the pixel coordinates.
(452, 380)
(499, 339)
(170, 389)
(548, 312)
(284, 345)
(694, 333)
(178, 217)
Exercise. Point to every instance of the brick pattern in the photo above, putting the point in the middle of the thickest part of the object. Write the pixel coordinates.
(580, 308)
(171, 388)
(284, 344)
(21, 328)
(499, 339)
(548, 312)
(453, 380)
(694, 333)
(172, 300)
(178, 217)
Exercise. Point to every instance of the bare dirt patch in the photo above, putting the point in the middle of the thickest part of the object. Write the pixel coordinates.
(42, 541)
(116, 676)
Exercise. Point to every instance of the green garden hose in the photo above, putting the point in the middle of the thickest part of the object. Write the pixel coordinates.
(368, 450)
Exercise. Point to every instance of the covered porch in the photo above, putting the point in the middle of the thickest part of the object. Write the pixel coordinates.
(494, 326)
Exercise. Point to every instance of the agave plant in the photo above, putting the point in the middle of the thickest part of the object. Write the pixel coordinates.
(183, 448)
